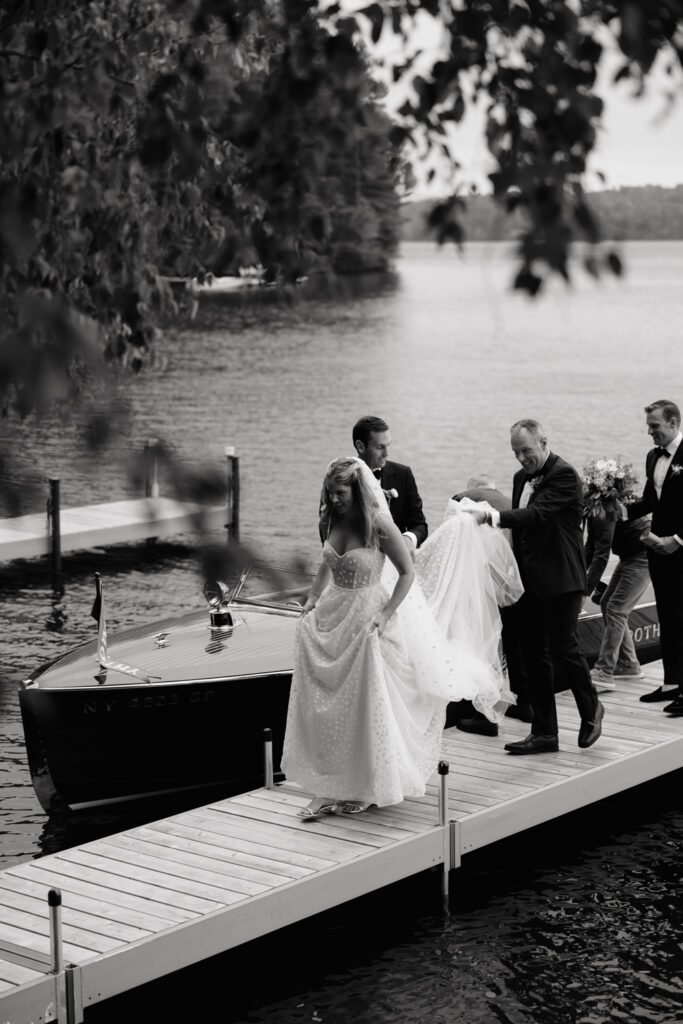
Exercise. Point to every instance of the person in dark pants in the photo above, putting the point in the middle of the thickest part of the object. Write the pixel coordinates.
(617, 658)
(464, 716)
(663, 497)
(547, 536)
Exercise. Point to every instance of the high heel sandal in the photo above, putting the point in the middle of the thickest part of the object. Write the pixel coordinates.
(355, 806)
(312, 812)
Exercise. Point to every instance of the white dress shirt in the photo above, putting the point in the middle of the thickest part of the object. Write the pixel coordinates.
(662, 464)
(527, 491)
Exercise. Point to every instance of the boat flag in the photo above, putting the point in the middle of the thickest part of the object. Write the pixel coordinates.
(97, 612)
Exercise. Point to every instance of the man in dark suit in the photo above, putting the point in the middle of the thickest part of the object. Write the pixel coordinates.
(663, 497)
(371, 439)
(546, 524)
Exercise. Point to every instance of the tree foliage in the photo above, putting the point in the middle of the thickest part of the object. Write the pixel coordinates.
(142, 141)
(535, 64)
(145, 139)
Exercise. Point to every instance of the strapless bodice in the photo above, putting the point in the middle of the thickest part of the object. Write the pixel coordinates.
(356, 569)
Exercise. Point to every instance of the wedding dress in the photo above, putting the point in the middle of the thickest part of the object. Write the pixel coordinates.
(366, 712)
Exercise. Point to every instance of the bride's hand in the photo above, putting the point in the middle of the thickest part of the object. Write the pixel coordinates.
(379, 621)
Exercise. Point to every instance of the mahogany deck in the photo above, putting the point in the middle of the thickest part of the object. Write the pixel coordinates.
(114, 522)
(153, 899)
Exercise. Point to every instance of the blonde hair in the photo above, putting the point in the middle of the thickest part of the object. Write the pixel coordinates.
(348, 472)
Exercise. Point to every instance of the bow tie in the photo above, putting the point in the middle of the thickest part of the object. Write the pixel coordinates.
(533, 476)
(662, 451)
(377, 473)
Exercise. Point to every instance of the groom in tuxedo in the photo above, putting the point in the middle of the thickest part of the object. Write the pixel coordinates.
(663, 497)
(371, 440)
(547, 539)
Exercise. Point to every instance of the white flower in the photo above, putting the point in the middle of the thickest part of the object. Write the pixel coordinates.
(393, 493)
(676, 468)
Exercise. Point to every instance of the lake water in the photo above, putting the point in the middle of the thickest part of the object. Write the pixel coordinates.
(579, 922)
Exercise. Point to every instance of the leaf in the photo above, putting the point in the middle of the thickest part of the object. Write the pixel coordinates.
(613, 261)
(375, 16)
(591, 266)
(528, 282)
(586, 221)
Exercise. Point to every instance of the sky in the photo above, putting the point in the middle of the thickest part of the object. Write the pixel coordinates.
(640, 143)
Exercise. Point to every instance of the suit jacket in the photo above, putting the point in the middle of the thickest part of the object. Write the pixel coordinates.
(547, 535)
(406, 510)
(667, 511)
(494, 497)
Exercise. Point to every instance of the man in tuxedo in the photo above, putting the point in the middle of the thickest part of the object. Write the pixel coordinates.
(371, 439)
(663, 497)
(547, 538)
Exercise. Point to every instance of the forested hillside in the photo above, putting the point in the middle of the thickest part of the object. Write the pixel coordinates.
(646, 212)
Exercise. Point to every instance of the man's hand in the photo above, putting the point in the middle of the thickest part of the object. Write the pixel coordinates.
(479, 516)
(410, 546)
(665, 545)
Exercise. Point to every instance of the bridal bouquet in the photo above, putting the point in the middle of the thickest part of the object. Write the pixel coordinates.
(608, 485)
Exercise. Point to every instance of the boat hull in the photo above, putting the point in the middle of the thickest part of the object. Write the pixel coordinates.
(122, 743)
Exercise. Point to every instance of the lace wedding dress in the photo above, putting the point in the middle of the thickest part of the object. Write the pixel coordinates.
(366, 712)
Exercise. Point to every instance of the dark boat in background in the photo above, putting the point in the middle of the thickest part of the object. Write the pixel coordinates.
(181, 705)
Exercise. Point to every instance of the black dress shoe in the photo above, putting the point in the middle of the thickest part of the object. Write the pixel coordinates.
(659, 694)
(482, 726)
(534, 745)
(590, 731)
(524, 712)
(675, 707)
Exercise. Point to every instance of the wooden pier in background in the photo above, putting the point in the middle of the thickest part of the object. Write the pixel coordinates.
(151, 900)
(111, 522)
(118, 522)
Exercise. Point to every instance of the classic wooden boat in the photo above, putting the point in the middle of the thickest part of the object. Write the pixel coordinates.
(180, 705)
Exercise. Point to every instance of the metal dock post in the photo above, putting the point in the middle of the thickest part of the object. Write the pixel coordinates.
(443, 770)
(268, 758)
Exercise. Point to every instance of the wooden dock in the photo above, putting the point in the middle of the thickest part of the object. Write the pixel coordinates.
(114, 522)
(153, 899)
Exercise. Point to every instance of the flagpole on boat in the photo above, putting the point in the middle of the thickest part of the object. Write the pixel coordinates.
(97, 612)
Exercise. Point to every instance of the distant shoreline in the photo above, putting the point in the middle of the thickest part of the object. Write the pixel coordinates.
(643, 213)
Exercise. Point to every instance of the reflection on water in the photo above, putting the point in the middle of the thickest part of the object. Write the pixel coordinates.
(577, 923)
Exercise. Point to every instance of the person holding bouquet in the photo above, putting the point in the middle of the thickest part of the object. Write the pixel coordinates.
(609, 486)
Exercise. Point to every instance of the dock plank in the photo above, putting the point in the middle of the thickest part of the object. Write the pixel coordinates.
(54, 875)
(73, 918)
(15, 974)
(184, 891)
(41, 943)
(175, 861)
(276, 841)
(215, 857)
(243, 851)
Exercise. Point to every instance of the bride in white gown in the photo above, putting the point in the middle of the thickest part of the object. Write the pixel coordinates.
(379, 653)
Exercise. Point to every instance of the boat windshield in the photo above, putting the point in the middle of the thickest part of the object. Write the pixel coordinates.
(275, 585)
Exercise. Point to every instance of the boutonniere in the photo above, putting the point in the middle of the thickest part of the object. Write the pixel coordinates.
(535, 482)
(677, 468)
(392, 493)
